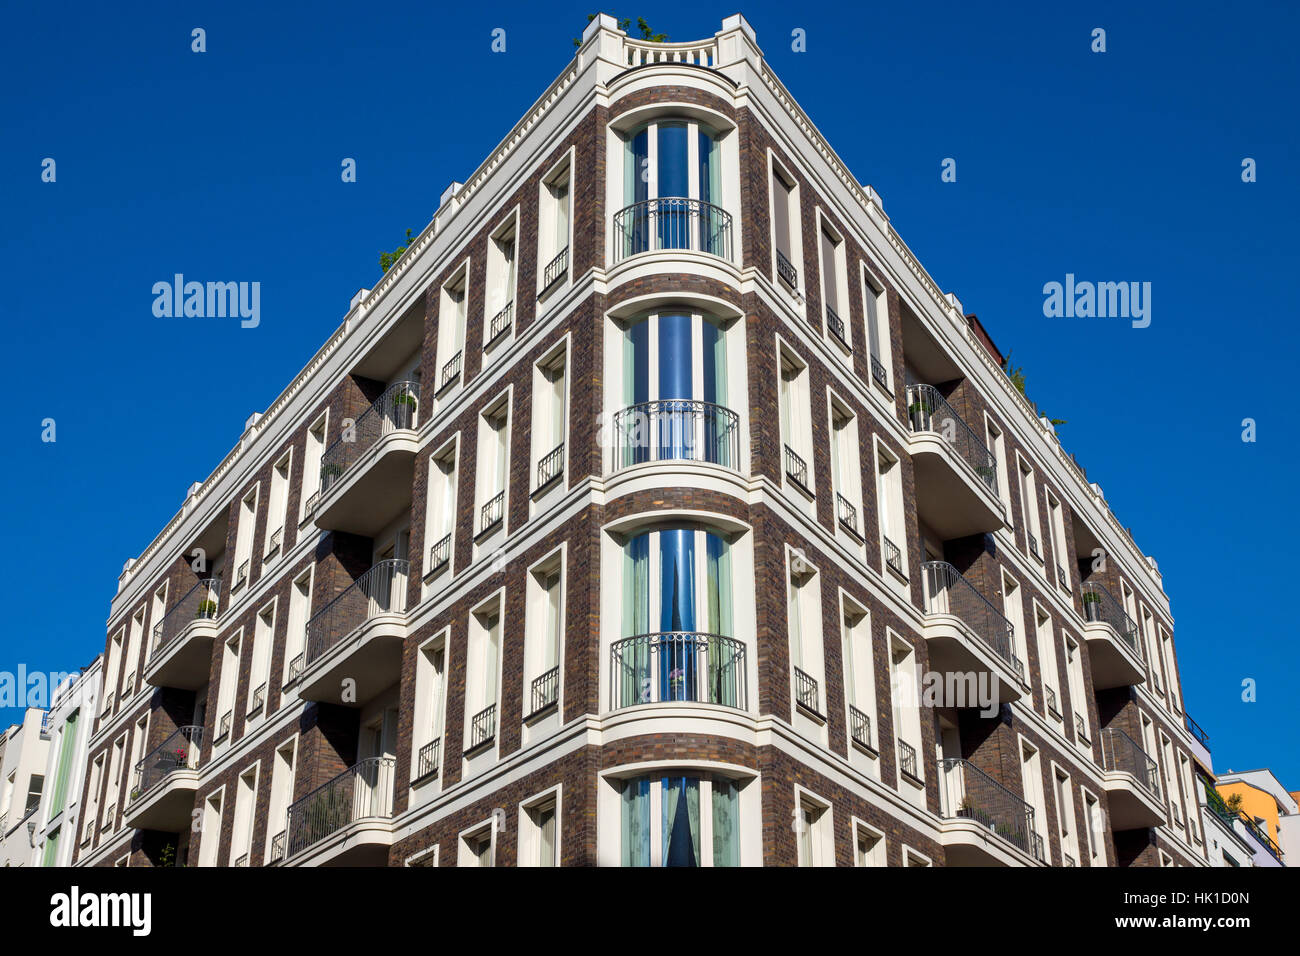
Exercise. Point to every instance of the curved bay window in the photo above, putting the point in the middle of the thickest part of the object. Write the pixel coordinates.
(675, 393)
(672, 191)
(680, 821)
(677, 625)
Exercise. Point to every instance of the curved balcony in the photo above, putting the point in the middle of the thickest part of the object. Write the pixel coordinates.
(358, 637)
(1112, 638)
(162, 796)
(678, 667)
(669, 223)
(181, 652)
(967, 635)
(676, 430)
(984, 823)
(366, 475)
(346, 821)
(1131, 781)
(956, 475)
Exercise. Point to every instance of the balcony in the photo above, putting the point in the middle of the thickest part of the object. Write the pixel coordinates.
(984, 823)
(162, 797)
(1200, 742)
(678, 667)
(956, 475)
(545, 693)
(550, 468)
(966, 634)
(1112, 638)
(676, 430)
(672, 223)
(347, 821)
(1131, 782)
(366, 475)
(358, 636)
(180, 654)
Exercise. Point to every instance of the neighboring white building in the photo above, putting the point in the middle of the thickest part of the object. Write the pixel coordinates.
(22, 781)
(71, 719)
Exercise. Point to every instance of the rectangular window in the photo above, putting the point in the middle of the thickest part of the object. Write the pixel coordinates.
(478, 847)
(295, 640)
(282, 778)
(131, 660)
(241, 835)
(1056, 528)
(1029, 512)
(138, 740)
(482, 675)
(210, 834)
(796, 422)
(1048, 666)
(1031, 780)
(1096, 830)
(1154, 662)
(549, 424)
(553, 231)
(500, 301)
(816, 834)
(451, 330)
(998, 447)
(787, 243)
(1078, 697)
(493, 466)
(1013, 606)
(229, 681)
(859, 675)
(430, 706)
(277, 510)
(875, 306)
(115, 770)
(91, 816)
(441, 507)
(890, 515)
(804, 622)
(111, 671)
(157, 611)
(1065, 820)
(905, 705)
(834, 287)
(1167, 662)
(67, 755)
(260, 659)
(543, 636)
(539, 831)
(846, 470)
(309, 490)
(244, 539)
(869, 846)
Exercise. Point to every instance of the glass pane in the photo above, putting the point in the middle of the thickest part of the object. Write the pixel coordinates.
(681, 821)
(677, 652)
(636, 822)
(673, 218)
(726, 838)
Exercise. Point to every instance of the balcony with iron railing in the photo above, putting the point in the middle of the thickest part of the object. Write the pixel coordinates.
(880, 374)
(835, 325)
(358, 636)
(967, 634)
(491, 515)
(165, 781)
(796, 469)
(346, 821)
(180, 653)
(671, 224)
(973, 805)
(807, 692)
(847, 515)
(860, 729)
(367, 473)
(449, 374)
(482, 729)
(1112, 638)
(427, 762)
(677, 667)
(1200, 747)
(1131, 781)
(956, 474)
(676, 430)
(549, 468)
(500, 325)
(786, 272)
(556, 271)
(439, 555)
(544, 693)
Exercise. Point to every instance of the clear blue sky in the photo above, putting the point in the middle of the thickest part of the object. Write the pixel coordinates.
(1117, 166)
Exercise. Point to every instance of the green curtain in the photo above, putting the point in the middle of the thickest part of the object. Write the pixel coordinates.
(725, 663)
(67, 743)
(51, 849)
(634, 663)
(636, 822)
(726, 840)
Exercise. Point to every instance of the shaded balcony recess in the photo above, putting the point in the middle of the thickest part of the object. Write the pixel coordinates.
(199, 603)
(956, 474)
(364, 790)
(381, 590)
(1112, 636)
(948, 592)
(968, 793)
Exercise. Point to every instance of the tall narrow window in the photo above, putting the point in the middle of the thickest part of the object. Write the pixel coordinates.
(244, 539)
(671, 191)
(493, 456)
(859, 676)
(295, 641)
(241, 836)
(1029, 511)
(875, 305)
(1078, 698)
(787, 243)
(998, 446)
(834, 288)
(430, 704)
(796, 422)
(890, 514)
(111, 670)
(543, 635)
(1056, 528)
(500, 302)
(808, 669)
(1047, 664)
(482, 673)
(816, 836)
(157, 611)
(229, 681)
(283, 772)
(260, 664)
(131, 660)
(277, 510)
(91, 815)
(1096, 830)
(1167, 661)
(538, 838)
(549, 426)
(115, 770)
(905, 704)
(1013, 606)
(1031, 779)
(451, 330)
(210, 833)
(846, 470)
(441, 509)
(1154, 661)
(309, 490)
(553, 231)
(869, 846)
(1065, 819)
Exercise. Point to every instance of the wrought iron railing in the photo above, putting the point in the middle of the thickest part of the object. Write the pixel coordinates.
(1121, 752)
(672, 222)
(1100, 606)
(678, 666)
(492, 513)
(1196, 730)
(241, 576)
(381, 590)
(500, 324)
(947, 592)
(676, 430)
(223, 725)
(483, 727)
(440, 554)
(848, 515)
(273, 546)
(1081, 728)
(550, 467)
(363, 790)
(555, 270)
(242, 860)
(1033, 545)
(180, 751)
(198, 604)
(859, 727)
(426, 763)
(786, 271)
(893, 556)
(929, 411)
(1062, 578)
(259, 700)
(295, 668)
(879, 373)
(1050, 694)
(796, 468)
(1069, 860)
(836, 326)
(450, 371)
(907, 760)
(545, 690)
(395, 410)
(806, 691)
(967, 792)
(277, 846)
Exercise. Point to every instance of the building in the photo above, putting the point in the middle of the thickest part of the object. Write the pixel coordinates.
(632, 519)
(1227, 843)
(68, 722)
(22, 781)
(1268, 816)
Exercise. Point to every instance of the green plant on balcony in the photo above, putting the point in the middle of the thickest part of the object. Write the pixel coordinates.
(386, 259)
(405, 398)
(920, 408)
(167, 856)
(1091, 597)
(984, 471)
(623, 24)
(206, 609)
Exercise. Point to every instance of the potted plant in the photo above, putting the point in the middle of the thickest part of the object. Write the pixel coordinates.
(1091, 597)
(206, 609)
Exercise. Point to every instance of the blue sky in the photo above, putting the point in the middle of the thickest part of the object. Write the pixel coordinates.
(225, 165)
